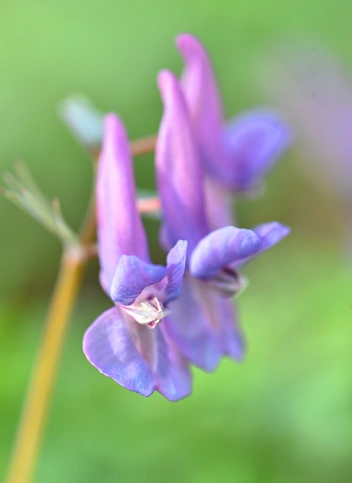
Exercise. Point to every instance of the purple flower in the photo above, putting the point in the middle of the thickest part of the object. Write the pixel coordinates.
(315, 91)
(203, 322)
(126, 343)
(239, 153)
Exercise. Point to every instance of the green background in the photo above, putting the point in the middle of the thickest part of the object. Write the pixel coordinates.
(282, 416)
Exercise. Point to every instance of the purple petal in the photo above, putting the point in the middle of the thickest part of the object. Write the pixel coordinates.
(314, 89)
(203, 99)
(179, 173)
(270, 234)
(120, 229)
(231, 335)
(219, 204)
(131, 277)
(190, 329)
(221, 248)
(173, 377)
(253, 142)
(170, 369)
(221, 313)
(176, 262)
(108, 345)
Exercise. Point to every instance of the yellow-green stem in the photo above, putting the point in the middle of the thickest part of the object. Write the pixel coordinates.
(41, 386)
(43, 378)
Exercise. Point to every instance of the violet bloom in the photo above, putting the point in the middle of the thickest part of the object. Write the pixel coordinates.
(203, 322)
(315, 91)
(125, 342)
(237, 153)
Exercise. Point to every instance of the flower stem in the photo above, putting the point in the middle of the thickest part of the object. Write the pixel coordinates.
(41, 386)
(143, 145)
(137, 146)
(37, 402)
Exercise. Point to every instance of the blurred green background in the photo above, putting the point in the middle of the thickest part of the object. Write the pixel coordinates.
(282, 416)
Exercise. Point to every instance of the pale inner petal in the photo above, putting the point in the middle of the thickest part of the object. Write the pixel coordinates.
(228, 282)
(147, 312)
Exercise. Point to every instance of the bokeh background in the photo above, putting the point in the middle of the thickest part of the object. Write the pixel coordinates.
(284, 415)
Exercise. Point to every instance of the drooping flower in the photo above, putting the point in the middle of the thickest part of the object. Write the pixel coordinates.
(203, 322)
(235, 154)
(126, 343)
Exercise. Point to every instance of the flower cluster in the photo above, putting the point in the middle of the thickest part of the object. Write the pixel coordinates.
(166, 318)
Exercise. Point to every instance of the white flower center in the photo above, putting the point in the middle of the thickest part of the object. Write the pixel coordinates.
(148, 312)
